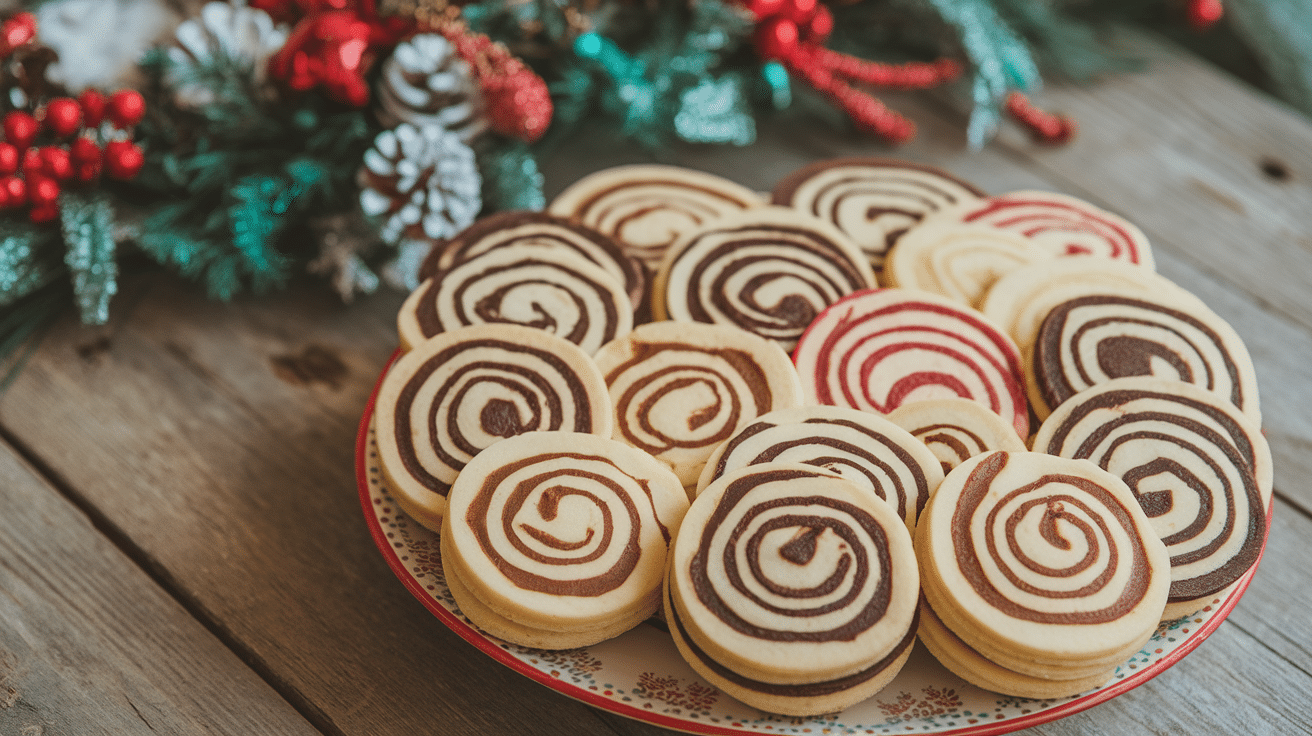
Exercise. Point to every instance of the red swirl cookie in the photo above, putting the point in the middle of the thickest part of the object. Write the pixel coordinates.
(873, 200)
(1045, 566)
(559, 540)
(792, 589)
(1200, 469)
(681, 389)
(539, 230)
(646, 207)
(1089, 340)
(768, 271)
(877, 350)
(462, 391)
(863, 447)
(552, 289)
(1065, 225)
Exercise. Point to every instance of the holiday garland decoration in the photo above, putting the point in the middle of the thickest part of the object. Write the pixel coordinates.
(345, 137)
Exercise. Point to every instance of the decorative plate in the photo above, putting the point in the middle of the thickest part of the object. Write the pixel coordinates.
(660, 688)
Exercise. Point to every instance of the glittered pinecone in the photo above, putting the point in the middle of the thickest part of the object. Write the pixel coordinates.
(422, 183)
(242, 34)
(425, 82)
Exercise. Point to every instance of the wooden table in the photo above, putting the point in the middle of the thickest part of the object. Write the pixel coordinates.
(182, 548)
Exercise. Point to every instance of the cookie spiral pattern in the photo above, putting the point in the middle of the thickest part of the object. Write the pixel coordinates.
(792, 575)
(563, 531)
(956, 430)
(679, 390)
(648, 207)
(1090, 340)
(877, 350)
(538, 230)
(958, 261)
(1199, 469)
(460, 392)
(1025, 546)
(862, 447)
(555, 290)
(874, 201)
(1066, 226)
(769, 272)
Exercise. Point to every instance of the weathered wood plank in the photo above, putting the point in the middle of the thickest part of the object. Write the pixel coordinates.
(89, 644)
(233, 475)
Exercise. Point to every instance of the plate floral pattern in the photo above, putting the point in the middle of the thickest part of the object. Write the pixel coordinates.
(660, 688)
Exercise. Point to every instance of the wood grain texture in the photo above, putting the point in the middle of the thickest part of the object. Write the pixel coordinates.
(215, 441)
(90, 645)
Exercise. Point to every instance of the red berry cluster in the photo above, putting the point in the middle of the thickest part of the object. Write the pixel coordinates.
(62, 143)
(793, 32)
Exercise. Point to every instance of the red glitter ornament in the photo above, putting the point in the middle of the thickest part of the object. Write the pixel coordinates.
(518, 102)
(63, 116)
(9, 159)
(20, 129)
(126, 108)
(1043, 126)
(93, 105)
(123, 159)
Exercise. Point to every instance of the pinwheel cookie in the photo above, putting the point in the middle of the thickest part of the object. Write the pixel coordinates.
(1044, 571)
(792, 590)
(455, 394)
(1200, 469)
(873, 200)
(863, 447)
(558, 540)
(681, 389)
(646, 207)
(956, 430)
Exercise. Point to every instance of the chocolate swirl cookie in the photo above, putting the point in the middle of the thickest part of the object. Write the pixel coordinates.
(1089, 340)
(865, 448)
(558, 540)
(461, 391)
(873, 200)
(768, 271)
(1065, 225)
(552, 289)
(539, 230)
(956, 430)
(877, 350)
(1200, 469)
(793, 581)
(680, 389)
(1043, 565)
(646, 207)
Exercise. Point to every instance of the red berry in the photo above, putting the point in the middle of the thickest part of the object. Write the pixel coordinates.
(762, 9)
(9, 159)
(20, 129)
(821, 24)
(84, 150)
(56, 162)
(63, 116)
(93, 107)
(126, 108)
(13, 191)
(32, 162)
(123, 159)
(17, 31)
(776, 38)
(42, 190)
(798, 11)
(43, 212)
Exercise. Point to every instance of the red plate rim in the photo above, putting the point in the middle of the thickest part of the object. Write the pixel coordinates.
(471, 635)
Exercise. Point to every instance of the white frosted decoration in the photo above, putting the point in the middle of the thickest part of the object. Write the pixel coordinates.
(245, 35)
(99, 42)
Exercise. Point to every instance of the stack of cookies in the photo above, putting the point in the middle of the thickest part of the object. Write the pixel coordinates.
(875, 404)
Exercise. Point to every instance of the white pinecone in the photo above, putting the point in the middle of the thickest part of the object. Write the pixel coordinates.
(243, 34)
(425, 83)
(422, 183)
